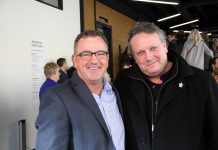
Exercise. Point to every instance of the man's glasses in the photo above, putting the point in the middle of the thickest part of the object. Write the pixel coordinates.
(87, 55)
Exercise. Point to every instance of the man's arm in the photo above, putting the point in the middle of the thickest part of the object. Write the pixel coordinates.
(52, 123)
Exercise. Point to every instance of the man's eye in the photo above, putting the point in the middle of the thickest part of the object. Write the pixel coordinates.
(141, 53)
(153, 48)
(100, 53)
(85, 54)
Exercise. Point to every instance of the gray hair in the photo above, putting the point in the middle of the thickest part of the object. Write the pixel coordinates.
(145, 27)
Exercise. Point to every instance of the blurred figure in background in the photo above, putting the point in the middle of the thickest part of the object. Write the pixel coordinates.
(214, 64)
(180, 36)
(126, 60)
(207, 59)
(194, 50)
(107, 76)
(215, 75)
(70, 72)
(51, 71)
(172, 43)
(215, 47)
(63, 68)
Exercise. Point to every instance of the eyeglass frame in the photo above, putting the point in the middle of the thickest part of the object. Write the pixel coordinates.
(90, 54)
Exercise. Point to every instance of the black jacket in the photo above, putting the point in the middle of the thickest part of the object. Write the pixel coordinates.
(63, 76)
(187, 110)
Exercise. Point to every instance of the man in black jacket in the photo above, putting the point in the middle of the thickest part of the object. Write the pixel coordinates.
(171, 39)
(167, 104)
(63, 68)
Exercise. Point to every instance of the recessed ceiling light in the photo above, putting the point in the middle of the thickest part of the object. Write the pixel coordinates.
(172, 16)
(157, 1)
(182, 24)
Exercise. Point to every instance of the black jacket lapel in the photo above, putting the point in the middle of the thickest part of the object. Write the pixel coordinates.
(118, 101)
(139, 95)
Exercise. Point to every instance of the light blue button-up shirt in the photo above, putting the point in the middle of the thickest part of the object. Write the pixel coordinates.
(107, 103)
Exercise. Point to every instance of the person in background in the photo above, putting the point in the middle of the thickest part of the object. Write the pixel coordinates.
(207, 59)
(180, 36)
(63, 68)
(214, 64)
(70, 72)
(83, 113)
(107, 76)
(167, 104)
(215, 47)
(51, 71)
(172, 43)
(126, 59)
(215, 75)
(194, 50)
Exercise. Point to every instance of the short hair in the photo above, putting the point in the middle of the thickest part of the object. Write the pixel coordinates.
(172, 33)
(214, 60)
(61, 62)
(146, 27)
(89, 33)
(205, 36)
(50, 68)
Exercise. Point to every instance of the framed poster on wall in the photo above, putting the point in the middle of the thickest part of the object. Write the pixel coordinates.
(54, 3)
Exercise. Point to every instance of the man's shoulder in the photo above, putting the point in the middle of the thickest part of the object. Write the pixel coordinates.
(62, 92)
(60, 88)
(124, 76)
(124, 73)
(200, 75)
(198, 71)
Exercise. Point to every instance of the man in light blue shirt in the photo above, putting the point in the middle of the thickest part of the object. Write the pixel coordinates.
(83, 113)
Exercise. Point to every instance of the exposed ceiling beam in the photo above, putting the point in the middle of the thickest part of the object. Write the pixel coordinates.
(186, 15)
(202, 14)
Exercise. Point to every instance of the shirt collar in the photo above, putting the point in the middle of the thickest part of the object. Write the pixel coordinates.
(107, 85)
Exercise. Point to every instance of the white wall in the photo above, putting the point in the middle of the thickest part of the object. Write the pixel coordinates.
(21, 22)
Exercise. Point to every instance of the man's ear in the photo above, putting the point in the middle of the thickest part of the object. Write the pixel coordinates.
(74, 60)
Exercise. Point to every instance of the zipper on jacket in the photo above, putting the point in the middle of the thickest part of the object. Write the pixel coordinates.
(152, 105)
(156, 103)
(154, 112)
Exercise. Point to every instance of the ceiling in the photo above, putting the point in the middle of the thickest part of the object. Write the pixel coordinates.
(206, 11)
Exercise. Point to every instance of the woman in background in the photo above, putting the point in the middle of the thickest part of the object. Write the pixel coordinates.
(51, 71)
(194, 50)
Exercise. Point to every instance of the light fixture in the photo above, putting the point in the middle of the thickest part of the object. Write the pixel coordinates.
(172, 16)
(182, 24)
(182, 30)
(157, 1)
(189, 32)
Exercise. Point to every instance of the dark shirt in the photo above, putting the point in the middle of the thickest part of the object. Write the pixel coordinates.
(155, 88)
(47, 84)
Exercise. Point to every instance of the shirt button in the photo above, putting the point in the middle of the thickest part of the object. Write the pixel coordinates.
(143, 140)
